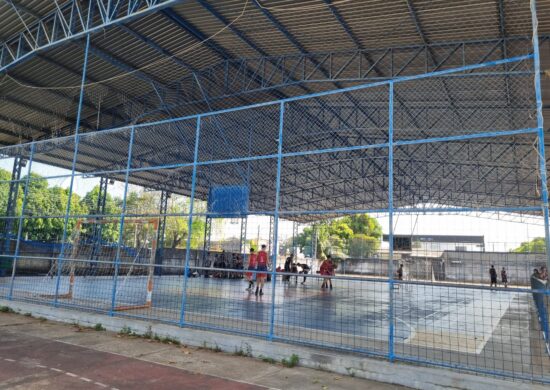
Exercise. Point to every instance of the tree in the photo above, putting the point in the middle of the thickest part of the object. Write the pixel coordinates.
(176, 227)
(5, 176)
(536, 245)
(109, 231)
(47, 207)
(357, 235)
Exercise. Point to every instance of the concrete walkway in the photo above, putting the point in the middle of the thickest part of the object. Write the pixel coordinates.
(39, 354)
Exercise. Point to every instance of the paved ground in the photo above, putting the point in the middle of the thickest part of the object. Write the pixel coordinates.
(37, 354)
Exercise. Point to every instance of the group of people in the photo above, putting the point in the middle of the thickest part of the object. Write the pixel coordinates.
(493, 275)
(292, 267)
(258, 264)
(222, 261)
(538, 273)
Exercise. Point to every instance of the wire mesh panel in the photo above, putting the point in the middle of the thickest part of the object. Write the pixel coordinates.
(489, 331)
(337, 121)
(463, 104)
(403, 219)
(483, 172)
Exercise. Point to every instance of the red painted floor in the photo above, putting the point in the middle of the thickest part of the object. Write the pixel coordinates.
(28, 362)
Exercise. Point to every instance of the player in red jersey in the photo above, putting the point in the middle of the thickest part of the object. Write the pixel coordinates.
(251, 267)
(262, 263)
(327, 270)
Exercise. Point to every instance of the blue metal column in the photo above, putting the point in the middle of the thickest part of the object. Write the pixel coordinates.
(391, 355)
(20, 228)
(190, 224)
(540, 125)
(121, 227)
(75, 155)
(275, 219)
(159, 256)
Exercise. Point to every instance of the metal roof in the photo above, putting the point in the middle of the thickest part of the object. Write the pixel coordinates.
(189, 57)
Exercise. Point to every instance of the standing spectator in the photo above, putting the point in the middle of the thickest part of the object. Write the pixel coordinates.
(251, 267)
(305, 270)
(261, 266)
(504, 277)
(400, 272)
(327, 269)
(288, 261)
(493, 275)
(294, 270)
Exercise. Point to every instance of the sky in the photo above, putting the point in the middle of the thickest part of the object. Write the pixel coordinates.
(500, 235)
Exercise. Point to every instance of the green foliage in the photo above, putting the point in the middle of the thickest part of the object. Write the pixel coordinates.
(6, 309)
(292, 361)
(361, 245)
(125, 331)
(4, 190)
(45, 200)
(357, 236)
(536, 245)
(99, 328)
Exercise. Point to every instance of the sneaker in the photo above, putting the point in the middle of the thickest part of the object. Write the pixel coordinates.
(261, 293)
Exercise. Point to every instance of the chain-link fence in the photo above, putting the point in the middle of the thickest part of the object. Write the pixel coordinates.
(405, 218)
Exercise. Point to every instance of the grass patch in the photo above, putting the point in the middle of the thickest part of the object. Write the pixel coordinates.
(6, 309)
(292, 361)
(125, 331)
(99, 328)
(269, 360)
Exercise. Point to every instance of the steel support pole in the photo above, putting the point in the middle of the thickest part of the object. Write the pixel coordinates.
(540, 125)
(242, 246)
(121, 226)
(391, 354)
(190, 224)
(20, 227)
(98, 227)
(275, 219)
(11, 206)
(163, 209)
(75, 155)
(207, 238)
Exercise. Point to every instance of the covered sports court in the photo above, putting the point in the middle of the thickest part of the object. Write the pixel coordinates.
(155, 123)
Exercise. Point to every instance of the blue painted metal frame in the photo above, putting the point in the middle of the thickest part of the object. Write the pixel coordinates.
(276, 213)
(391, 353)
(75, 156)
(275, 233)
(121, 226)
(540, 125)
(190, 223)
(20, 228)
(57, 23)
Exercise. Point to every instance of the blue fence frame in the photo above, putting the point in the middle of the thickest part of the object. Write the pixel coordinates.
(390, 145)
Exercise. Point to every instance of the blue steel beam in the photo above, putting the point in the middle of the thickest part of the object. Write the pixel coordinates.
(227, 67)
(71, 22)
